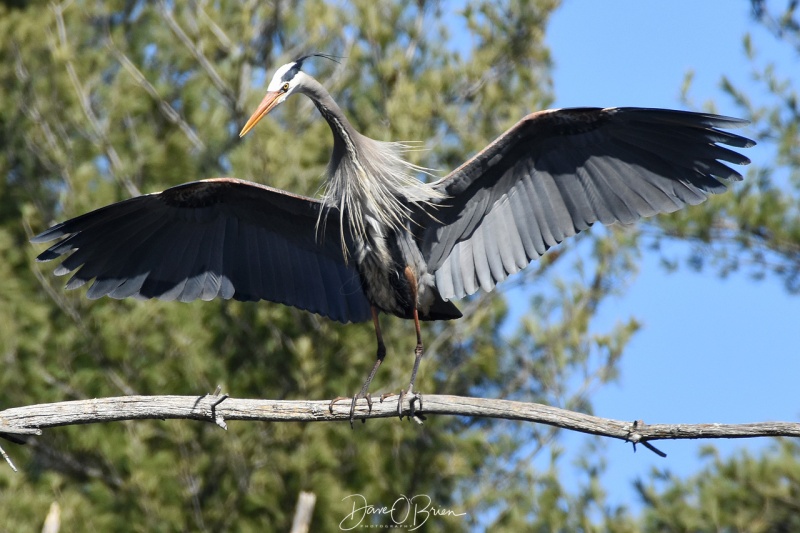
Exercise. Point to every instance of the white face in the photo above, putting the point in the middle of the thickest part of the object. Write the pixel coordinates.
(285, 80)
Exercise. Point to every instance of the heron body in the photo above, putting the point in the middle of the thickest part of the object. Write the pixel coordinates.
(381, 240)
(385, 251)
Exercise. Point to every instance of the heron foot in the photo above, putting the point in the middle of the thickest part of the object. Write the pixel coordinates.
(367, 396)
(415, 397)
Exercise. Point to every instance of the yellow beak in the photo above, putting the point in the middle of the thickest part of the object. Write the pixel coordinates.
(266, 105)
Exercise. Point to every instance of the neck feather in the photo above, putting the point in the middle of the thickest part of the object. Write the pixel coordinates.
(367, 178)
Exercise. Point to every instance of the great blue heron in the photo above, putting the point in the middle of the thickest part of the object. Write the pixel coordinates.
(381, 240)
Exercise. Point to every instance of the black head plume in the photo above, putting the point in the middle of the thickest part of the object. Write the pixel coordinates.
(297, 65)
(299, 61)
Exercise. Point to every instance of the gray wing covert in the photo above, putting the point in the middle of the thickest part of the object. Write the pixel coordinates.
(557, 172)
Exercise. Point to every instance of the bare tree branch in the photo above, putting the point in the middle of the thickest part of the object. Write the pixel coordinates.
(31, 108)
(164, 107)
(22, 420)
(99, 134)
(303, 512)
(5, 456)
(224, 89)
(52, 523)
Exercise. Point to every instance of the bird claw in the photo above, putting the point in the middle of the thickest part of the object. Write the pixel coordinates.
(386, 395)
(367, 396)
(415, 397)
(336, 400)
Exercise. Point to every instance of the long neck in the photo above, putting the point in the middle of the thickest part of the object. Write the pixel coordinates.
(345, 135)
(367, 179)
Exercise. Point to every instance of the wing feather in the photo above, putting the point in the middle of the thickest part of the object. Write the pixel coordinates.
(221, 238)
(556, 173)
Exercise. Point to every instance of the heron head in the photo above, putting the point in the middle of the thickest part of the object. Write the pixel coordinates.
(287, 80)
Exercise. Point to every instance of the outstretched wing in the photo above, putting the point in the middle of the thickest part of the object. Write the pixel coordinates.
(557, 172)
(222, 238)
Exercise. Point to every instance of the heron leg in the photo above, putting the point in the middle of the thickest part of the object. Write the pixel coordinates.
(364, 394)
(418, 351)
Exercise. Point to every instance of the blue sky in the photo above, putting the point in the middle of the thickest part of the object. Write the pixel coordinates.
(711, 350)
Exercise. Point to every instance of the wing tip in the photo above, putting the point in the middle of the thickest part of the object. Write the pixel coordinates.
(49, 234)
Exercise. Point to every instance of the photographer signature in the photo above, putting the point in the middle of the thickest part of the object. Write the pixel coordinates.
(407, 512)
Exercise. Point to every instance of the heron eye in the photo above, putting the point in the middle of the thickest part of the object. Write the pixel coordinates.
(285, 87)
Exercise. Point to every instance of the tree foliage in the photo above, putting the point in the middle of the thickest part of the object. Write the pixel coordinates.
(104, 100)
(757, 231)
(740, 493)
